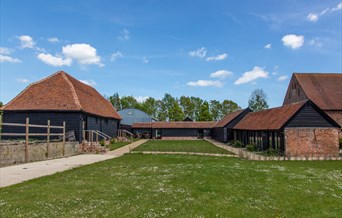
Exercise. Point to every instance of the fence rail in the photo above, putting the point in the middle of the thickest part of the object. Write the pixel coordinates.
(27, 133)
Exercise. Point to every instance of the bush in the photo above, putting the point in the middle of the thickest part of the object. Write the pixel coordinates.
(340, 140)
(271, 152)
(102, 143)
(237, 144)
(251, 147)
(112, 141)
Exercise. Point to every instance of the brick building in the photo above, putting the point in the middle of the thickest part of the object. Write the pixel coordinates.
(296, 129)
(324, 89)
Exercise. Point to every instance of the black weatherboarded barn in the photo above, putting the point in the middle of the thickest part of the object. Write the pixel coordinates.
(58, 98)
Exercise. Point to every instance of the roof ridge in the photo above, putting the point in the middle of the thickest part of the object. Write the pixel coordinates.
(31, 84)
(74, 94)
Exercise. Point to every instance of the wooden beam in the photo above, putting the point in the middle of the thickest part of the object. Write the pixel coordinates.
(48, 139)
(27, 139)
(63, 138)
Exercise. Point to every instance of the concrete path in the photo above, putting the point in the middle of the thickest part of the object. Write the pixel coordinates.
(18, 173)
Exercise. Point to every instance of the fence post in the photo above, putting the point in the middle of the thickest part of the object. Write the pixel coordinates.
(27, 139)
(63, 138)
(83, 132)
(91, 140)
(48, 139)
(97, 137)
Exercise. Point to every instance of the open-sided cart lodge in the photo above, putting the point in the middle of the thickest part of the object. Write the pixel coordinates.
(59, 98)
(308, 122)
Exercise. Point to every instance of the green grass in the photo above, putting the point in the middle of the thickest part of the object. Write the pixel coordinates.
(199, 146)
(117, 145)
(137, 185)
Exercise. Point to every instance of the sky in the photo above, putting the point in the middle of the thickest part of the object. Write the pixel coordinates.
(214, 49)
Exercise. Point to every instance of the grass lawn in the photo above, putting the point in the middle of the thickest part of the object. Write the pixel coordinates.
(199, 146)
(117, 145)
(137, 185)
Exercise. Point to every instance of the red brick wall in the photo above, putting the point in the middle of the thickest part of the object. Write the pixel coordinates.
(337, 116)
(311, 141)
(179, 138)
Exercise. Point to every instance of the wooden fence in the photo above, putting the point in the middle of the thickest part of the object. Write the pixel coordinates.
(27, 133)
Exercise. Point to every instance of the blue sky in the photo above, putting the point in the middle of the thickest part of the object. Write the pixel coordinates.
(210, 49)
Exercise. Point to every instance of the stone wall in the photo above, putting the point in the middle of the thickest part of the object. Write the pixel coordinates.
(13, 152)
(311, 142)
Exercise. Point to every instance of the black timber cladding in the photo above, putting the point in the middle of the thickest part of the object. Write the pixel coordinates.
(225, 133)
(73, 120)
(310, 116)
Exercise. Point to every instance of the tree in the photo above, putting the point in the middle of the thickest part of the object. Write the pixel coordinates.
(129, 102)
(175, 112)
(215, 109)
(197, 102)
(187, 106)
(258, 100)
(229, 106)
(1, 104)
(115, 100)
(161, 111)
(204, 113)
(150, 106)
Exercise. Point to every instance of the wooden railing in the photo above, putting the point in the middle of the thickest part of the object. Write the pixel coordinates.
(27, 133)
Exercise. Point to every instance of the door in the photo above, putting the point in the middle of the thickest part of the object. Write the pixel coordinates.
(200, 134)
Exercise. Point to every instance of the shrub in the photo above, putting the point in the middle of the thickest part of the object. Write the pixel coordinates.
(102, 143)
(237, 144)
(112, 141)
(271, 151)
(340, 140)
(251, 147)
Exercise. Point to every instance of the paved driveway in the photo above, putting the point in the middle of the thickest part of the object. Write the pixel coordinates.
(18, 173)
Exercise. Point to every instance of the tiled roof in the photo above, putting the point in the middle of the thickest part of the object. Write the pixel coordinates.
(324, 89)
(142, 125)
(227, 119)
(62, 92)
(270, 119)
(176, 125)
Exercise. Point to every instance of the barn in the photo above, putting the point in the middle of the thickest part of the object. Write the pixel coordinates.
(133, 115)
(223, 130)
(175, 130)
(296, 129)
(60, 97)
(324, 89)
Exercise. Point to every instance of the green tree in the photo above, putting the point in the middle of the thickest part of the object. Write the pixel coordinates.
(215, 109)
(115, 100)
(197, 102)
(204, 113)
(258, 100)
(187, 106)
(175, 112)
(229, 106)
(1, 104)
(150, 106)
(161, 111)
(129, 102)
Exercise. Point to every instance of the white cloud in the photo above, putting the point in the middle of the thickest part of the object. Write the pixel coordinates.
(313, 17)
(83, 53)
(141, 99)
(316, 42)
(221, 74)
(293, 41)
(281, 78)
(145, 60)
(4, 58)
(218, 57)
(4, 50)
(201, 53)
(337, 7)
(53, 39)
(124, 35)
(21, 80)
(53, 60)
(268, 46)
(89, 82)
(250, 76)
(116, 55)
(26, 41)
(204, 83)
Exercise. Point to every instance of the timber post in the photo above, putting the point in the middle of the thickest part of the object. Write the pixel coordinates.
(27, 139)
(48, 139)
(63, 138)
